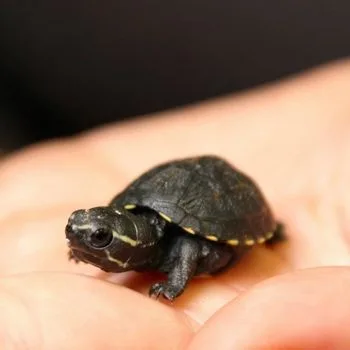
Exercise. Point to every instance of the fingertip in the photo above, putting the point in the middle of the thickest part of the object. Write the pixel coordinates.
(303, 310)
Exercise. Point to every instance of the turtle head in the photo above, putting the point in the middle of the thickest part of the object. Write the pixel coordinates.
(104, 237)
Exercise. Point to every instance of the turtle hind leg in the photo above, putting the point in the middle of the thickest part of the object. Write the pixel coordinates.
(278, 236)
(230, 259)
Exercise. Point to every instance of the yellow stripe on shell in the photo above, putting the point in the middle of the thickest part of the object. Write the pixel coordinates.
(211, 238)
(165, 217)
(249, 242)
(269, 235)
(261, 240)
(189, 230)
(129, 206)
(126, 239)
(233, 242)
(118, 262)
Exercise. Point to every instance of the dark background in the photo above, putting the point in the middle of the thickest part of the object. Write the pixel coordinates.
(68, 66)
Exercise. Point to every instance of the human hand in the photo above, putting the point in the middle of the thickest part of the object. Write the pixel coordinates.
(292, 138)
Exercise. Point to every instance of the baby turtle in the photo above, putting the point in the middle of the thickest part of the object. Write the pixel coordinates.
(183, 218)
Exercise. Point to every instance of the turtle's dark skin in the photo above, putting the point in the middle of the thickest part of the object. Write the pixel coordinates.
(184, 218)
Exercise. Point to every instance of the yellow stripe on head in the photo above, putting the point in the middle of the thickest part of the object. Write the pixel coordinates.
(118, 262)
(129, 206)
(165, 217)
(82, 227)
(126, 239)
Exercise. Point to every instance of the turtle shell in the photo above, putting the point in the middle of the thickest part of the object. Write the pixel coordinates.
(205, 196)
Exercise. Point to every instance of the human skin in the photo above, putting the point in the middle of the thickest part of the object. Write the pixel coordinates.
(292, 137)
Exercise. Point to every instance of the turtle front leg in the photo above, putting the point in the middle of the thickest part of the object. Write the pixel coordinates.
(182, 263)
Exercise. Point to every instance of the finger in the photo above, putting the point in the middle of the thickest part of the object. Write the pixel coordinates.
(305, 310)
(61, 311)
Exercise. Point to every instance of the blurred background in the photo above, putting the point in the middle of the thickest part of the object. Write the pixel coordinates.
(69, 66)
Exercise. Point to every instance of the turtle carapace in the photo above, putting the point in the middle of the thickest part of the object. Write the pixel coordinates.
(184, 218)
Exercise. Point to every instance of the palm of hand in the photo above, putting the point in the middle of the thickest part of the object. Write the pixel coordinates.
(294, 147)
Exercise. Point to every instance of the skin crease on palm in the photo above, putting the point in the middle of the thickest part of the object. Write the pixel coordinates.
(292, 137)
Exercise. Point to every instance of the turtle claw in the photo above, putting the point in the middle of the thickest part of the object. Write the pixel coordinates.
(163, 289)
(155, 290)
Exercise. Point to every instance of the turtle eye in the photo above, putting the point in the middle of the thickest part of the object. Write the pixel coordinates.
(101, 238)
